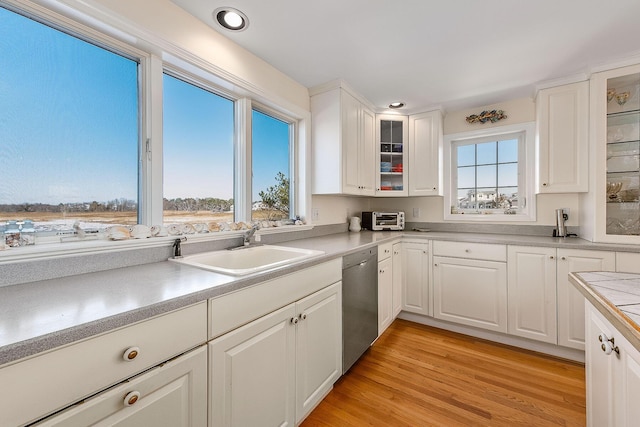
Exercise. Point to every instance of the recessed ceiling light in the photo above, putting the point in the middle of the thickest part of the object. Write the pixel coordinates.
(396, 105)
(231, 19)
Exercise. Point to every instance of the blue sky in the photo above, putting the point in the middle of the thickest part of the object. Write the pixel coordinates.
(69, 125)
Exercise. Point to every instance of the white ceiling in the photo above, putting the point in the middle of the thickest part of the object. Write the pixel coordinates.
(449, 53)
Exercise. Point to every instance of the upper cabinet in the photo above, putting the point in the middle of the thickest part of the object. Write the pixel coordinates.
(615, 145)
(391, 140)
(343, 135)
(562, 138)
(425, 154)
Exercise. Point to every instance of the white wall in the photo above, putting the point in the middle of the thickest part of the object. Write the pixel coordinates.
(163, 21)
(337, 209)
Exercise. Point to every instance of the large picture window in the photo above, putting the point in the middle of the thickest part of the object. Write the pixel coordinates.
(69, 130)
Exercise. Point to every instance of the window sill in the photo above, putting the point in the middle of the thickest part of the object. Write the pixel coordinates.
(56, 249)
(489, 217)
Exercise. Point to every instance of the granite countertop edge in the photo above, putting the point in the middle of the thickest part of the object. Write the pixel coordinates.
(210, 285)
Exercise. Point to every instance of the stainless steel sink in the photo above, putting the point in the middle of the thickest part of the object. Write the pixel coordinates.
(245, 261)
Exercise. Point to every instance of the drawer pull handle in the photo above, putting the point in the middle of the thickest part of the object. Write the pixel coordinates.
(131, 353)
(131, 398)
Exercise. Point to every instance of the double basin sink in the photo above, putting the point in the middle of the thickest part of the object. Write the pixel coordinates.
(249, 260)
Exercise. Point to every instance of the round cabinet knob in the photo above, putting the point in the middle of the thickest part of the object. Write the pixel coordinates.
(131, 398)
(544, 184)
(294, 320)
(551, 257)
(467, 250)
(434, 188)
(131, 353)
(563, 258)
(303, 316)
(381, 271)
(386, 251)
(606, 347)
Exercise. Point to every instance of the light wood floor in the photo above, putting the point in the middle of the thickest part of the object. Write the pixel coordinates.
(415, 375)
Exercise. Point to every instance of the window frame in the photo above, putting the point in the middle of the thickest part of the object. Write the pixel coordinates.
(526, 172)
(155, 58)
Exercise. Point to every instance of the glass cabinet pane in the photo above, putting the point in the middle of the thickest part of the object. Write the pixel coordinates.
(623, 155)
(391, 155)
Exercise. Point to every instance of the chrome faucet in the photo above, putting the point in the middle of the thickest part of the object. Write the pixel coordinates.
(249, 234)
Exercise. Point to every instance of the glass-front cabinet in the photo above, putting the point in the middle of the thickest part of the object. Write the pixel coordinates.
(392, 138)
(615, 109)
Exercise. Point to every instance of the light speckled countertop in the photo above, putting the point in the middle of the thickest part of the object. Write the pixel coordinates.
(616, 296)
(42, 315)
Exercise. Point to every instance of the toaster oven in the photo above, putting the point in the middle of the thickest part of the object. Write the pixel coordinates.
(378, 221)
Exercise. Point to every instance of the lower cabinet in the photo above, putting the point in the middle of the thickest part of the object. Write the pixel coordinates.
(172, 394)
(274, 370)
(570, 302)
(470, 292)
(396, 267)
(415, 279)
(385, 294)
(612, 374)
(532, 293)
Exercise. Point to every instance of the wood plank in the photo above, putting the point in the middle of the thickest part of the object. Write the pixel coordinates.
(416, 375)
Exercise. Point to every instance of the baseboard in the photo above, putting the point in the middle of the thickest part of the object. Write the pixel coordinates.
(540, 347)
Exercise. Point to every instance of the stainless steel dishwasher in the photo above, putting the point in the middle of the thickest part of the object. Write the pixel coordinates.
(359, 304)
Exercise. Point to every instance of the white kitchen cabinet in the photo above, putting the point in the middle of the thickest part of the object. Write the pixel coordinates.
(532, 293)
(562, 138)
(343, 140)
(415, 279)
(274, 370)
(425, 154)
(385, 294)
(385, 286)
(570, 302)
(172, 394)
(612, 374)
(628, 262)
(397, 272)
(318, 347)
(611, 206)
(36, 387)
(469, 285)
(391, 139)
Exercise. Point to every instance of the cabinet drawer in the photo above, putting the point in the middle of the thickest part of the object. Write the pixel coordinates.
(230, 311)
(384, 251)
(484, 251)
(157, 394)
(43, 384)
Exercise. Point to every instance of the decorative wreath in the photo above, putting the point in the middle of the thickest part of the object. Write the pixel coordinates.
(487, 116)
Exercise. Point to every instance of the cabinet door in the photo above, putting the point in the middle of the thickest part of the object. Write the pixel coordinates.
(563, 124)
(571, 318)
(391, 162)
(252, 373)
(470, 292)
(415, 280)
(396, 268)
(599, 371)
(532, 293)
(425, 154)
(385, 294)
(173, 394)
(351, 147)
(366, 165)
(627, 413)
(318, 347)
